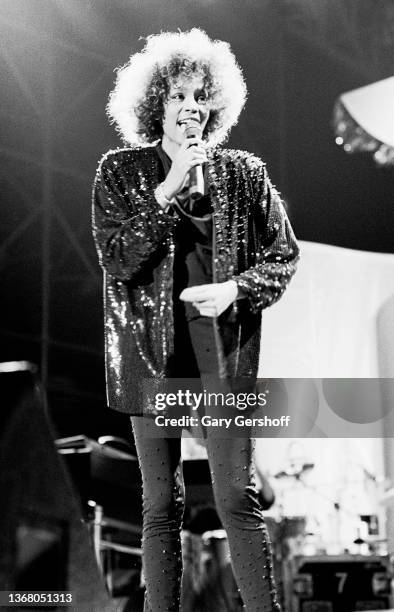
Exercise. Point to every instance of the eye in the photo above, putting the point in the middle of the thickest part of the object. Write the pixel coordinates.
(201, 98)
(177, 96)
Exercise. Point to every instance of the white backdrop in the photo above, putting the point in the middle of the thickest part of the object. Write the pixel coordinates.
(325, 324)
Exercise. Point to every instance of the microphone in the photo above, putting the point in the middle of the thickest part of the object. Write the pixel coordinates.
(196, 188)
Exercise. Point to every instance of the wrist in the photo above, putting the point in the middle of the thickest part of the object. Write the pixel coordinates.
(161, 196)
(168, 189)
(239, 293)
(234, 289)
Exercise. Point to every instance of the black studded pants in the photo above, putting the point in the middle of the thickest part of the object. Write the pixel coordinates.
(232, 474)
(233, 480)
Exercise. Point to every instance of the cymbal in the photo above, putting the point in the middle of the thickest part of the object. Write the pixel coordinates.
(295, 473)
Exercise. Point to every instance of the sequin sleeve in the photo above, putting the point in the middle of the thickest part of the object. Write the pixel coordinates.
(129, 226)
(277, 251)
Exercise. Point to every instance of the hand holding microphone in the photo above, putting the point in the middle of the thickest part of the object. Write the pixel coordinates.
(191, 154)
(196, 188)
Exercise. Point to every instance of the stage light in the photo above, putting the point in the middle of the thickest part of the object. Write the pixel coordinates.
(364, 121)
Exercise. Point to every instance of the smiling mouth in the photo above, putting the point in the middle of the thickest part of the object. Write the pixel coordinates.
(189, 120)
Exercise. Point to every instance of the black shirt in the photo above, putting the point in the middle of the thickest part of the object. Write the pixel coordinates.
(193, 243)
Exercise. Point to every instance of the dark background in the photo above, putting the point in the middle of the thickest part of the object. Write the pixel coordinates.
(57, 59)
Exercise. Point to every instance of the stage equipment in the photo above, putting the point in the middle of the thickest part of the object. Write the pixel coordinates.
(197, 479)
(208, 580)
(108, 479)
(44, 544)
(364, 121)
(343, 583)
(107, 472)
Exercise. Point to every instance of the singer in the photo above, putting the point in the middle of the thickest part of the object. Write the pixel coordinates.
(194, 242)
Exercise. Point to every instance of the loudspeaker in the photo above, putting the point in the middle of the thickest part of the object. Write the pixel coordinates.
(44, 543)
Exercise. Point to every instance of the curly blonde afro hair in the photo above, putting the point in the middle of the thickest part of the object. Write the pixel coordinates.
(136, 104)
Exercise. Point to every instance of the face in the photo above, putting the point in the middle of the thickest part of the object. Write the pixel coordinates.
(187, 103)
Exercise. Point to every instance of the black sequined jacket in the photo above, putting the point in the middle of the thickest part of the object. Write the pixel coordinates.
(253, 244)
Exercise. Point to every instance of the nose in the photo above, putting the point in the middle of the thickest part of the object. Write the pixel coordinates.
(190, 104)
